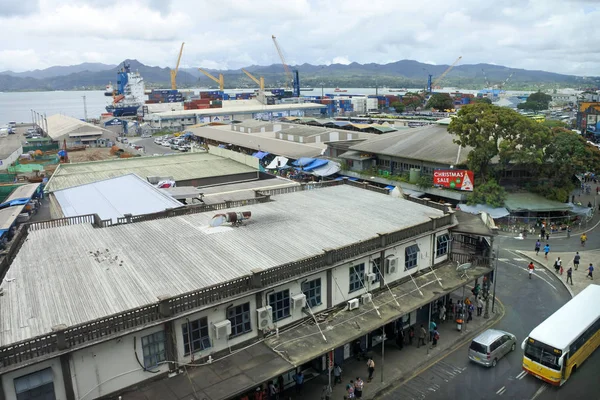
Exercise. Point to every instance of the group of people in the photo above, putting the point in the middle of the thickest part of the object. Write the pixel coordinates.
(558, 267)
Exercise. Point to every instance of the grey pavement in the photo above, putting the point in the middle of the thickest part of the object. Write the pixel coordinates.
(580, 279)
(399, 365)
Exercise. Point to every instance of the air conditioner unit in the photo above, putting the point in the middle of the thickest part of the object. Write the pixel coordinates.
(353, 304)
(371, 277)
(366, 298)
(298, 301)
(222, 329)
(265, 317)
(392, 266)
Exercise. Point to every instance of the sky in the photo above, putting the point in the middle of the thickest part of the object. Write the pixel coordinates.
(550, 35)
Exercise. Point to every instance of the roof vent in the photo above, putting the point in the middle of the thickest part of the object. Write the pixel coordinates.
(234, 218)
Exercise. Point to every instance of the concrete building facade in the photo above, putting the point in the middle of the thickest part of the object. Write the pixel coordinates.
(154, 315)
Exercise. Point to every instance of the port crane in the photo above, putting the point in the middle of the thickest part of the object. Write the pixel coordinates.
(174, 71)
(260, 82)
(292, 78)
(431, 85)
(219, 80)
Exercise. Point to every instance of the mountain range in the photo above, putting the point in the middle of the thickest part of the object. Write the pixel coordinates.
(404, 73)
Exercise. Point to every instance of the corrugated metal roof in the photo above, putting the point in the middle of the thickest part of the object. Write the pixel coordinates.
(23, 192)
(60, 125)
(89, 273)
(8, 216)
(252, 108)
(429, 143)
(251, 141)
(113, 198)
(180, 166)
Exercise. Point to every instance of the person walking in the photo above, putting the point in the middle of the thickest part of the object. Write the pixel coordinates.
(479, 306)
(432, 327)
(570, 275)
(358, 387)
(299, 378)
(538, 244)
(436, 337)
(557, 264)
(350, 390)
(590, 271)
(399, 339)
(442, 316)
(583, 239)
(546, 250)
(337, 374)
(422, 333)
(370, 368)
(411, 335)
(530, 267)
(576, 261)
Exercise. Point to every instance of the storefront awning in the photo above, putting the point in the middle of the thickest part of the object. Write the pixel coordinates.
(498, 212)
(260, 154)
(278, 163)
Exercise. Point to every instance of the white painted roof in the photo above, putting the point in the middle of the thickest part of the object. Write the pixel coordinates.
(60, 125)
(85, 273)
(561, 328)
(113, 198)
(253, 108)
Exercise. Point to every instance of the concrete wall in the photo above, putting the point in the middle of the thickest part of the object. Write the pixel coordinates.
(443, 257)
(234, 155)
(59, 388)
(341, 281)
(214, 315)
(96, 369)
(425, 258)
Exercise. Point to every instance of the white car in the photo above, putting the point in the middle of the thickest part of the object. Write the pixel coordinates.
(166, 144)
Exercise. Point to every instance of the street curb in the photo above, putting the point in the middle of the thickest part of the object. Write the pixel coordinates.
(428, 363)
(564, 283)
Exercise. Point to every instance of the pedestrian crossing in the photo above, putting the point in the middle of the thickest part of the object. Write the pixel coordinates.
(517, 259)
(427, 383)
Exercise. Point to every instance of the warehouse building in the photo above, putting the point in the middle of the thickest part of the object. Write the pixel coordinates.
(75, 132)
(158, 304)
(193, 169)
(11, 149)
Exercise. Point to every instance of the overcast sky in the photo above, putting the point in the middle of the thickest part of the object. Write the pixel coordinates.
(551, 35)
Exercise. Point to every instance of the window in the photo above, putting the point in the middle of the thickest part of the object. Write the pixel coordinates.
(411, 257)
(357, 277)
(312, 291)
(239, 316)
(153, 347)
(197, 335)
(442, 245)
(36, 386)
(280, 302)
(377, 268)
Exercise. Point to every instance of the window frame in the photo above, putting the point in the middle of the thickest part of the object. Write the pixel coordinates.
(202, 324)
(442, 248)
(241, 311)
(285, 312)
(356, 277)
(153, 344)
(411, 259)
(312, 291)
(376, 268)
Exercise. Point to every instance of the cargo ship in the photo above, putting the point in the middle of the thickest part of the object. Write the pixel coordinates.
(129, 95)
(108, 91)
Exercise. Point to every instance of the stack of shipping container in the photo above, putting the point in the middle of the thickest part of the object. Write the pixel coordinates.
(212, 99)
(164, 96)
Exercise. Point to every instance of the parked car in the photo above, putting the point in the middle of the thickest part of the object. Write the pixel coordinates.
(182, 148)
(166, 144)
(146, 135)
(490, 346)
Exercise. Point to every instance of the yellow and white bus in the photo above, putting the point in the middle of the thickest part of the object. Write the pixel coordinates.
(557, 347)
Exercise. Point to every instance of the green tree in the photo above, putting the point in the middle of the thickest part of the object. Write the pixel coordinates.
(482, 127)
(537, 101)
(412, 101)
(398, 106)
(440, 101)
(490, 193)
(552, 123)
(485, 100)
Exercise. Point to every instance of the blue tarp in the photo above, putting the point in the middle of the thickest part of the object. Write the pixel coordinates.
(15, 202)
(352, 179)
(222, 146)
(339, 178)
(315, 164)
(390, 187)
(3, 231)
(260, 154)
(303, 161)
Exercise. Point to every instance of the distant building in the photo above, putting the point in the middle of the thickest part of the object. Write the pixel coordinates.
(75, 132)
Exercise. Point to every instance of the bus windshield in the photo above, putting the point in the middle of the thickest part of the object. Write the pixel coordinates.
(542, 354)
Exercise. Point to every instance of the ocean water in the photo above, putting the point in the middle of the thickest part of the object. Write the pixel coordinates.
(18, 106)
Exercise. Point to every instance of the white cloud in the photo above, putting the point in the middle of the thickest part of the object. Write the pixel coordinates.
(533, 34)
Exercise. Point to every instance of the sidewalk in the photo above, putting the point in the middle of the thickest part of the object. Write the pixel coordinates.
(580, 280)
(400, 365)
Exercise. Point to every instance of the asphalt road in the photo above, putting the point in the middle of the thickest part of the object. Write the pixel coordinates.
(152, 148)
(527, 303)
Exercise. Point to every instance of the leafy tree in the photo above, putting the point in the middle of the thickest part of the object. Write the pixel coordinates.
(440, 101)
(490, 193)
(552, 123)
(412, 101)
(398, 106)
(485, 100)
(537, 101)
(483, 127)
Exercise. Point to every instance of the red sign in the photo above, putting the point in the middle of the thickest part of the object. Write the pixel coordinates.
(459, 179)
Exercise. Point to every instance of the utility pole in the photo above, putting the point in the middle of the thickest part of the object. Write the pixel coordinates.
(495, 278)
(382, 352)
(85, 108)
